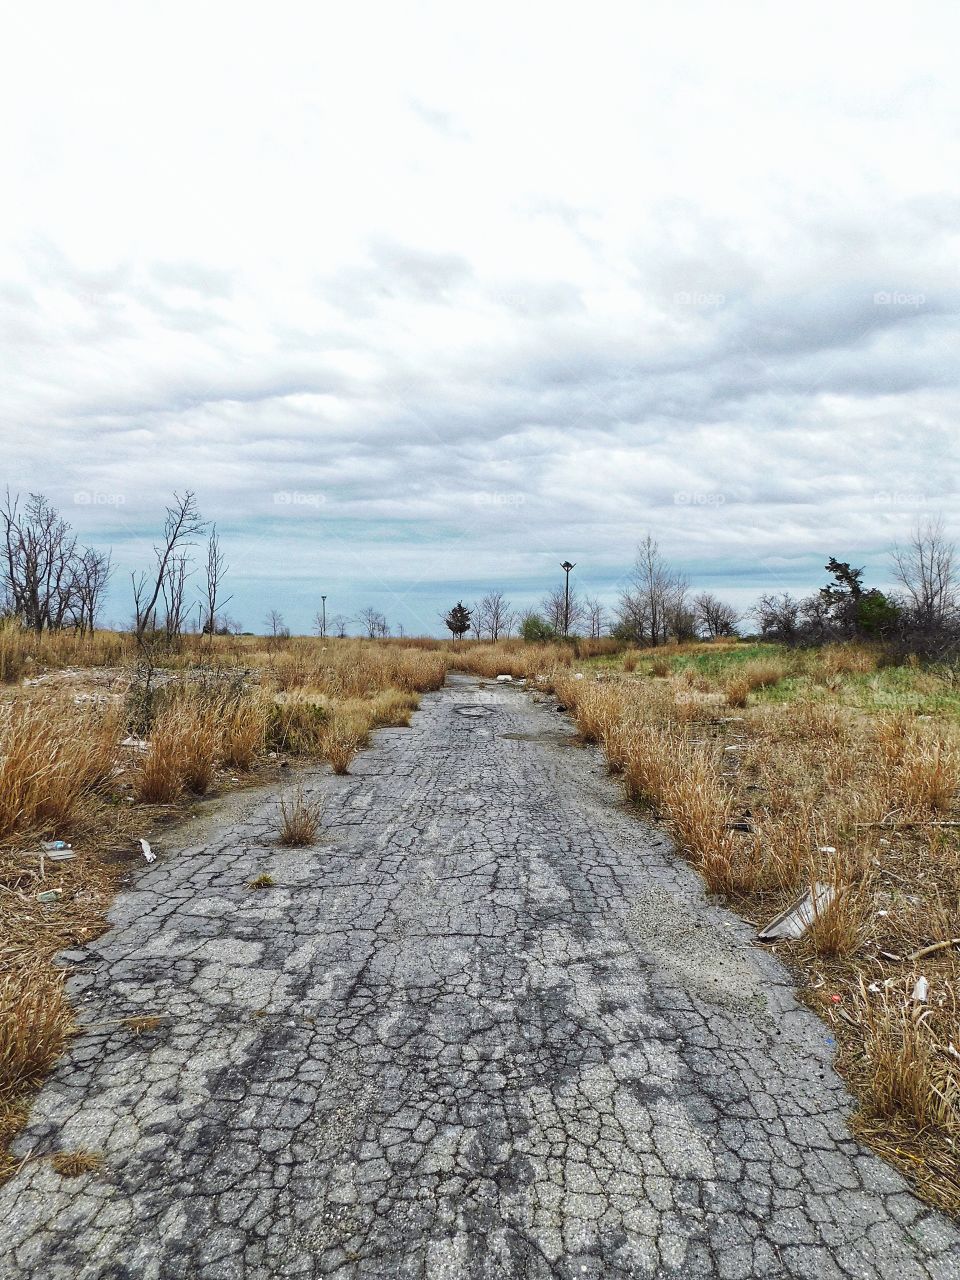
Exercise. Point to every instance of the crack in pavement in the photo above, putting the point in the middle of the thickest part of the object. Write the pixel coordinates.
(489, 1028)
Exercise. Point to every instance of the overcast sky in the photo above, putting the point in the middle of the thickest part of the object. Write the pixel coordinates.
(423, 299)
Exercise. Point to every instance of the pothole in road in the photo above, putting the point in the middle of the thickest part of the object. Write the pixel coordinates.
(472, 711)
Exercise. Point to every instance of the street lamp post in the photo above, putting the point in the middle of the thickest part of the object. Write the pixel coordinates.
(566, 567)
(323, 618)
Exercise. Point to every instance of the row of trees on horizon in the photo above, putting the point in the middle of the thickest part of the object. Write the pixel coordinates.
(50, 582)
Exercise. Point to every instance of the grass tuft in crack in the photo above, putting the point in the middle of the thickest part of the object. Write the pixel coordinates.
(72, 1164)
(299, 820)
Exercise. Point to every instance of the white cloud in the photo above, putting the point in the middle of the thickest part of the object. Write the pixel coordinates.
(483, 290)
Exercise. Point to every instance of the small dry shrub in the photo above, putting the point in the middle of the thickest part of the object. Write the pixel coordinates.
(891, 733)
(14, 653)
(630, 660)
(764, 673)
(393, 707)
(737, 691)
(298, 725)
(660, 667)
(200, 742)
(838, 928)
(299, 819)
(159, 780)
(341, 743)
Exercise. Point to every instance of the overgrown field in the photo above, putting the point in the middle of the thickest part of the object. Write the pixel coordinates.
(100, 745)
(777, 771)
(774, 769)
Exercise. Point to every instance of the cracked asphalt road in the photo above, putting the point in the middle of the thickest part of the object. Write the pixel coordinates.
(488, 1027)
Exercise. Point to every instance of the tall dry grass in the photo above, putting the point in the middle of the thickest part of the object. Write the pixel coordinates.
(299, 819)
(183, 752)
(51, 756)
(34, 1021)
(517, 660)
(911, 1075)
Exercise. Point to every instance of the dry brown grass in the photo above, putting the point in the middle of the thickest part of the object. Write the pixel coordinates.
(299, 820)
(160, 778)
(142, 1022)
(243, 731)
(911, 1075)
(263, 881)
(340, 744)
(927, 779)
(51, 756)
(751, 676)
(72, 1164)
(511, 659)
(34, 1023)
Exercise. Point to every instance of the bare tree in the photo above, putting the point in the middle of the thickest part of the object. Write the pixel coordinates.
(556, 614)
(374, 623)
(593, 612)
(494, 610)
(173, 591)
(91, 575)
(714, 616)
(183, 523)
(926, 569)
(779, 616)
(340, 624)
(216, 570)
(277, 629)
(40, 562)
(476, 621)
(654, 603)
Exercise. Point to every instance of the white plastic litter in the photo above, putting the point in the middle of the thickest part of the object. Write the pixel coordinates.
(504, 679)
(147, 851)
(138, 744)
(797, 919)
(920, 991)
